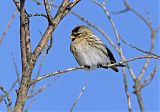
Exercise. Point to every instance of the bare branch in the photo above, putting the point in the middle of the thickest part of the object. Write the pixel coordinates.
(55, 73)
(37, 2)
(29, 59)
(27, 37)
(8, 26)
(121, 11)
(137, 91)
(47, 8)
(126, 90)
(22, 36)
(42, 3)
(138, 15)
(34, 92)
(82, 67)
(72, 4)
(79, 96)
(13, 85)
(16, 69)
(50, 45)
(150, 77)
(9, 104)
(38, 91)
(147, 60)
(1, 98)
(153, 33)
(33, 15)
(32, 89)
(131, 59)
(113, 26)
(25, 54)
(26, 44)
(134, 47)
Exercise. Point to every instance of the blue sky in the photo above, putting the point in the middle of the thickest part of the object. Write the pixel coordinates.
(105, 88)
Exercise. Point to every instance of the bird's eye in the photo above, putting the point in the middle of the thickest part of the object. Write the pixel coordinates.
(77, 34)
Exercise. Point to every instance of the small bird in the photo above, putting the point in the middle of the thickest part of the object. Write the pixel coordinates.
(89, 50)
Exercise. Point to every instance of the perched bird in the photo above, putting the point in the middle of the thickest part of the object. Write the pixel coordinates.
(89, 50)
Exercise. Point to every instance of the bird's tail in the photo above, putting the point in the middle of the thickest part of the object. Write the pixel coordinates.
(114, 68)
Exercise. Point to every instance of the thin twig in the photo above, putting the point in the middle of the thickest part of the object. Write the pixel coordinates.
(41, 89)
(16, 68)
(149, 25)
(9, 104)
(137, 88)
(32, 89)
(82, 67)
(38, 91)
(79, 96)
(13, 85)
(55, 73)
(138, 15)
(8, 26)
(147, 60)
(33, 15)
(121, 11)
(134, 47)
(47, 8)
(126, 89)
(150, 77)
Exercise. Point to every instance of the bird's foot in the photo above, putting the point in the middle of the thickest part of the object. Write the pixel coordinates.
(87, 66)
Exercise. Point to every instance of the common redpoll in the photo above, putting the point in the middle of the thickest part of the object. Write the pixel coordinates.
(89, 50)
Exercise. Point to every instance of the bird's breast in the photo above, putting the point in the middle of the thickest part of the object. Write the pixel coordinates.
(88, 55)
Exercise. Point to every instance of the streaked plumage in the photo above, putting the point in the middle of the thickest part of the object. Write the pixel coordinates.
(89, 50)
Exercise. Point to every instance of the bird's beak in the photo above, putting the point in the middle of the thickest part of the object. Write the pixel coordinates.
(72, 37)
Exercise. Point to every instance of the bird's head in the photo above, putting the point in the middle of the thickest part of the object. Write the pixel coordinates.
(80, 32)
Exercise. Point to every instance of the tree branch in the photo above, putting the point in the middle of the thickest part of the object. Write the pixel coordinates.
(79, 96)
(139, 49)
(126, 90)
(82, 67)
(8, 26)
(55, 73)
(29, 59)
(9, 104)
(150, 77)
(148, 23)
(47, 8)
(137, 91)
(33, 15)
(22, 36)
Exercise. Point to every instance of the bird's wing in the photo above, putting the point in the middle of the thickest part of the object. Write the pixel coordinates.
(110, 55)
(102, 45)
